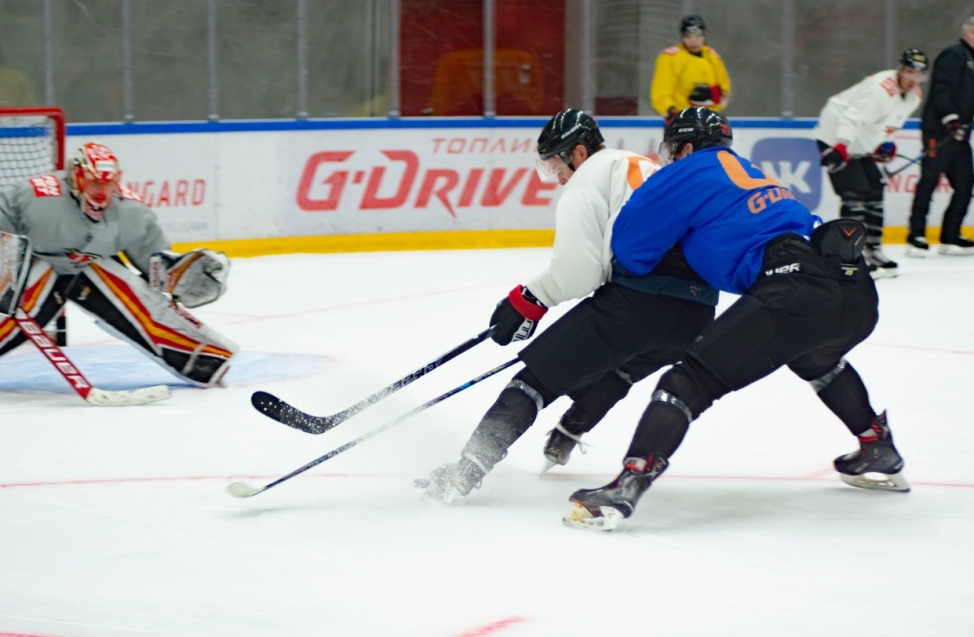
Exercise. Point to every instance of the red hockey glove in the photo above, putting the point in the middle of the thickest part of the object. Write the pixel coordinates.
(884, 152)
(835, 158)
(516, 316)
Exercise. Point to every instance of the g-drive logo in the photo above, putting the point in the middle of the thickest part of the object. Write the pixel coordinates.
(795, 163)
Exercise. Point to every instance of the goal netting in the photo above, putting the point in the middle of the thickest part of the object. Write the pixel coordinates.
(31, 143)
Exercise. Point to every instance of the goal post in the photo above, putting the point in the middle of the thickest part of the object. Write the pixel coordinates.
(32, 144)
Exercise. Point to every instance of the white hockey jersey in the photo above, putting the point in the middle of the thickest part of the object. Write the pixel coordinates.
(866, 115)
(589, 205)
(43, 209)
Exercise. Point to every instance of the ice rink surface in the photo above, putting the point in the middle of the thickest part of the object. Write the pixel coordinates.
(116, 521)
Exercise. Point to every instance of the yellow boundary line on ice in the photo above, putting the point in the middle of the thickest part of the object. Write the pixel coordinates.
(446, 240)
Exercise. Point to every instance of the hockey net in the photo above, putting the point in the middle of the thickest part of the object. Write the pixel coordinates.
(31, 143)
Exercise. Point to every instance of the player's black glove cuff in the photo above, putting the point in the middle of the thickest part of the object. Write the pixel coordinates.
(516, 316)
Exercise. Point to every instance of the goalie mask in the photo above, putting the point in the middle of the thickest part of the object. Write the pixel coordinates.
(93, 177)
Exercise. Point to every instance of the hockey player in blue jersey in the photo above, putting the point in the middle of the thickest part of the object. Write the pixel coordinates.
(807, 300)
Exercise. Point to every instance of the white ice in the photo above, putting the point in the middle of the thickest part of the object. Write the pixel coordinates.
(115, 522)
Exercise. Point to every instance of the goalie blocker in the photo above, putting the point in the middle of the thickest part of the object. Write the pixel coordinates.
(124, 305)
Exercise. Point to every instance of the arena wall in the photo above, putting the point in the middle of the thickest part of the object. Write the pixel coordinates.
(273, 187)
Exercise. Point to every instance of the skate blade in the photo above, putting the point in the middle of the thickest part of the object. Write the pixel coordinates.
(917, 253)
(884, 273)
(548, 466)
(892, 482)
(949, 250)
(578, 517)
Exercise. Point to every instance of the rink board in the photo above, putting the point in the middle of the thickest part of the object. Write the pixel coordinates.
(351, 185)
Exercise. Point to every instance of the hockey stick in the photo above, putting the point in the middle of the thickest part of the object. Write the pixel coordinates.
(244, 490)
(920, 157)
(273, 407)
(33, 331)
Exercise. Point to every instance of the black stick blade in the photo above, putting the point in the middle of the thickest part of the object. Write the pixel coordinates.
(276, 409)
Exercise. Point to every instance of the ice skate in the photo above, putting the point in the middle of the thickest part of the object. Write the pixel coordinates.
(959, 247)
(880, 266)
(558, 449)
(451, 481)
(917, 247)
(876, 455)
(604, 508)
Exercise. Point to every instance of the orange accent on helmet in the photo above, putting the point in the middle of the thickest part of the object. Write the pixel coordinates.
(94, 177)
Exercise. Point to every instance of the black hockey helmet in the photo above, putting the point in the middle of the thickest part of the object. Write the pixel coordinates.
(692, 24)
(698, 126)
(560, 136)
(914, 59)
(566, 130)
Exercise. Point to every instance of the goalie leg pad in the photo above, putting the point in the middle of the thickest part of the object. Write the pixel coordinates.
(126, 308)
(42, 297)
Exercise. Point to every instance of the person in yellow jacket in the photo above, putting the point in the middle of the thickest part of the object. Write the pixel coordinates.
(689, 74)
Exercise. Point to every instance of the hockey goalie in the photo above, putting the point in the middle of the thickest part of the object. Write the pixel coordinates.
(78, 224)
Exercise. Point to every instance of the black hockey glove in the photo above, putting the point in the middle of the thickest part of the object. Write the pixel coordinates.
(954, 127)
(516, 316)
(835, 158)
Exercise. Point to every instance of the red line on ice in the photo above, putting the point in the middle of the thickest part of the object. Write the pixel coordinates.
(490, 628)
(21, 635)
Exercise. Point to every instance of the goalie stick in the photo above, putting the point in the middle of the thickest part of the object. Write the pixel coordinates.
(101, 397)
(277, 409)
(244, 490)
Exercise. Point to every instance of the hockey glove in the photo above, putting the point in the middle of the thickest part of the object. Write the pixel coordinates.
(702, 95)
(194, 279)
(835, 158)
(516, 317)
(954, 127)
(884, 153)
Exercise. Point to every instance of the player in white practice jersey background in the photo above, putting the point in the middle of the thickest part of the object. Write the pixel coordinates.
(78, 222)
(854, 133)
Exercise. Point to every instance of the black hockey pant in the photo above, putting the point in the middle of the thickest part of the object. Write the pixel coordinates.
(953, 160)
(805, 322)
(593, 354)
(860, 186)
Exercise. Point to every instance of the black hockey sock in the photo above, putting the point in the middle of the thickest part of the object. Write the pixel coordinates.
(591, 406)
(661, 430)
(514, 411)
(873, 220)
(847, 397)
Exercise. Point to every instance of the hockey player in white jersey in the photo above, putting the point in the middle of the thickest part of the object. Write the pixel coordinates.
(78, 222)
(854, 133)
(628, 329)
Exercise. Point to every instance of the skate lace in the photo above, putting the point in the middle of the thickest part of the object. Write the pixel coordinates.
(582, 446)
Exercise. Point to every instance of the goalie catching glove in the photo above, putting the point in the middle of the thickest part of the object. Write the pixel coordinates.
(516, 317)
(194, 279)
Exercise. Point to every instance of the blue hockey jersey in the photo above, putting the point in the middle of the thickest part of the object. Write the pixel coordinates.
(720, 207)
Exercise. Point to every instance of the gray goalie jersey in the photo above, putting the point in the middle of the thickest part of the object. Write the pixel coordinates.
(43, 209)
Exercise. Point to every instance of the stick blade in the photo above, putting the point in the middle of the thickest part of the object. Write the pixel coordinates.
(276, 409)
(243, 490)
(143, 396)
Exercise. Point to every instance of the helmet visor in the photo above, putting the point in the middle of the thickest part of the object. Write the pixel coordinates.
(667, 151)
(553, 169)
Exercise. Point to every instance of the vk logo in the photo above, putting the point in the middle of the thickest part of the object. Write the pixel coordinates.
(794, 163)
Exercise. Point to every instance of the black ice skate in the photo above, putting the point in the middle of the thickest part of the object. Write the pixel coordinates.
(959, 247)
(602, 509)
(451, 481)
(558, 449)
(880, 266)
(876, 455)
(917, 247)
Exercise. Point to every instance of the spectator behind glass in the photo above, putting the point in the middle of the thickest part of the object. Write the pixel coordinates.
(689, 74)
(15, 90)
